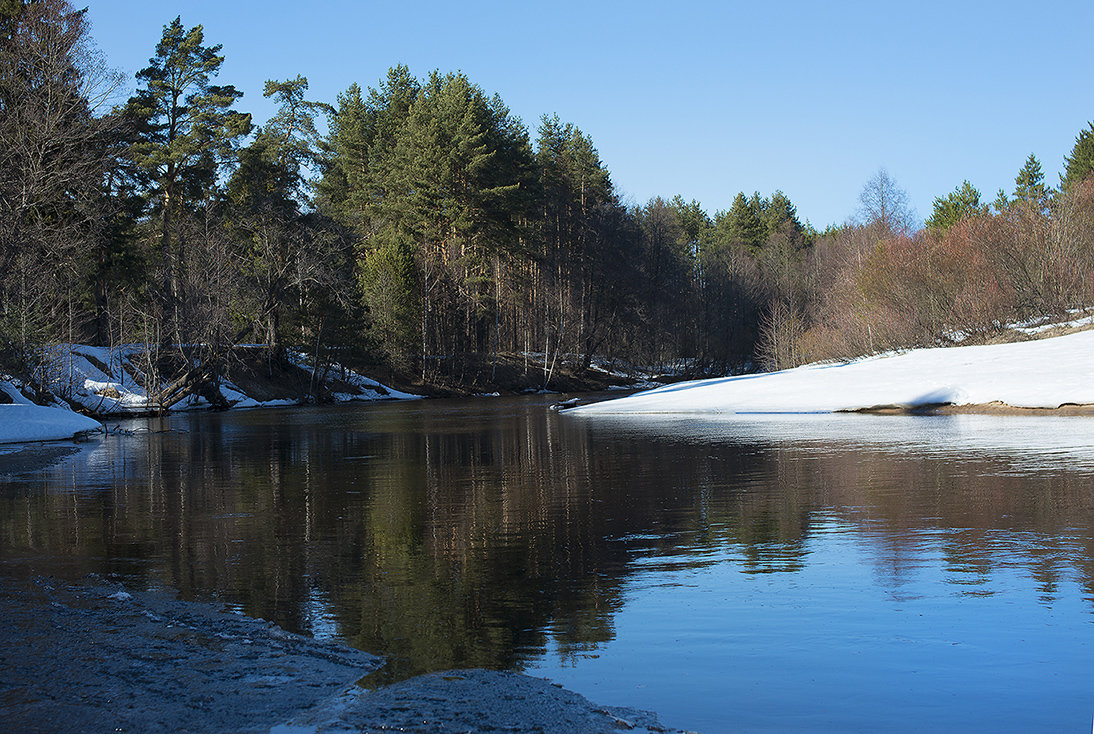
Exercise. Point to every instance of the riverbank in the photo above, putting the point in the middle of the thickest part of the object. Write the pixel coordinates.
(108, 384)
(993, 408)
(92, 656)
(126, 381)
(1044, 375)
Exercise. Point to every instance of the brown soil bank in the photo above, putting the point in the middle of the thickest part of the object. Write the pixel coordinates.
(994, 408)
(998, 408)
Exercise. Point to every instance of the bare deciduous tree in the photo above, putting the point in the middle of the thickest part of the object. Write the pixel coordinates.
(53, 159)
(884, 206)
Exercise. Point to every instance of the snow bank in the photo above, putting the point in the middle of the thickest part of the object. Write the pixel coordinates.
(1045, 373)
(1042, 325)
(110, 382)
(100, 380)
(358, 387)
(13, 389)
(38, 423)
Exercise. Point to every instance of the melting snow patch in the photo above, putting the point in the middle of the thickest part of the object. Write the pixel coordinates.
(39, 423)
(1045, 373)
(1038, 328)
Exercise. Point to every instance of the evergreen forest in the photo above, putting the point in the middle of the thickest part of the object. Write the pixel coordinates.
(418, 227)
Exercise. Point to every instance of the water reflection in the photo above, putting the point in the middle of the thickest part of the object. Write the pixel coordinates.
(450, 534)
(1032, 443)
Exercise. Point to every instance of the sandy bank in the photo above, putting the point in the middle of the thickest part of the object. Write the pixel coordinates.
(93, 657)
(993, 408)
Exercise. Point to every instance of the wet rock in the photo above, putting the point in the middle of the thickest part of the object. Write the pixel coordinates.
(93, 657)
(460, 701)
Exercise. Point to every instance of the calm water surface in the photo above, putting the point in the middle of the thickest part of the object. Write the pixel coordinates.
(754, 573)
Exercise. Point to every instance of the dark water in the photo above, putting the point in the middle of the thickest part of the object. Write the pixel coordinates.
(759, 573)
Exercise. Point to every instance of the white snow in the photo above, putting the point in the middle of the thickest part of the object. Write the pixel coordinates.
(76, 373)
(1037, 328)
(11, 387)
(367, 388)
(39, 423)
(106, 381)
(1045, 373)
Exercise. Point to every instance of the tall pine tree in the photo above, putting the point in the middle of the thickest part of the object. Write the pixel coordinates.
(187, 130)
(1029, 186)
(960, 204)
(745, 221)
(1080, 164)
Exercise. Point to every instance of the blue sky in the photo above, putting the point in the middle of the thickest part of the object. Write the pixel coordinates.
(701, 99)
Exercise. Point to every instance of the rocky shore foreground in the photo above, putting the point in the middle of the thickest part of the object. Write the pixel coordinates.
(94, 657)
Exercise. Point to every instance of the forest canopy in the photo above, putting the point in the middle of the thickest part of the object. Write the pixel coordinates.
(420, 226)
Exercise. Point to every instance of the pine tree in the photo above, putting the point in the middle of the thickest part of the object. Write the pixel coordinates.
(1029, 185)
(694, 223)
(781, 216)
(960, 204)
(187, 131)
(363, 133)
(359, 188)
(436, 179)
(746, 224)
(1080, 164)
(344, 156)
(290, 138)
(581, 259)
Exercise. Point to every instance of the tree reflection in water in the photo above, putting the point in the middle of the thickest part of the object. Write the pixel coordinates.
(456, 534)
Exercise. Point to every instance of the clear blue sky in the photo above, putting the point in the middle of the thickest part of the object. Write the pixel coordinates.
(701, 99)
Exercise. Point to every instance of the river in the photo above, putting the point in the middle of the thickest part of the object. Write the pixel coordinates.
(748, 573)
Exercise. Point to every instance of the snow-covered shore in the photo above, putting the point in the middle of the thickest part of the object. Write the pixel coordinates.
(1045, 373)
(38, 423)
(110, 382)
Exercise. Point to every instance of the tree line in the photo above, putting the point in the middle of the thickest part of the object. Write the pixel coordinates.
(880, 283)
(429, 230)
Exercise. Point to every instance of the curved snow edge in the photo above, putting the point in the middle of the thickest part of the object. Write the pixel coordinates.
(1046, 373)
(39, 423)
